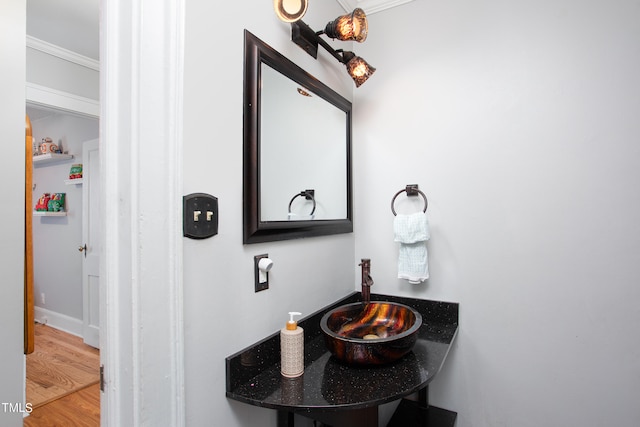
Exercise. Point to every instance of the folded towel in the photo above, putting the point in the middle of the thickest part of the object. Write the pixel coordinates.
(412, 232)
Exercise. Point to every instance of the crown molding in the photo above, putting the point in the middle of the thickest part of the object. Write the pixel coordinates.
(371, 6)
(62, 101)
(62, 53)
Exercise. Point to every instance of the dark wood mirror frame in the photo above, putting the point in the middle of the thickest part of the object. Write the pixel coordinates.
(256, 52)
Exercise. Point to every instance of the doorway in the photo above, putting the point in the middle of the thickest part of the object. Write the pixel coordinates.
(65, 321)
(62, 89)
(59, 237)
(134, 334)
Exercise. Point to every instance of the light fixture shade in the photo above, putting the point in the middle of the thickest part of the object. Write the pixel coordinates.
(290, 10)
(352, 26)
(358, 68)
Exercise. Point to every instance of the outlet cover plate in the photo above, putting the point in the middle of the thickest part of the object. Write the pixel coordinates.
(260, 286)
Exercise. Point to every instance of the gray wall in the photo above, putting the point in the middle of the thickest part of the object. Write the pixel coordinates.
(521, 123)
(57, 261)
(519, 120)
(12, 70)
(222, 313)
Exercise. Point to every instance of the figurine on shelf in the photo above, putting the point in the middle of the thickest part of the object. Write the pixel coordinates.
(47, 146)
(43, 202)
(56, 203)
(76, 171)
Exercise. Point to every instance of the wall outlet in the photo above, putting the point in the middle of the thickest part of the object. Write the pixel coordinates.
(42, 298)
(261, 277)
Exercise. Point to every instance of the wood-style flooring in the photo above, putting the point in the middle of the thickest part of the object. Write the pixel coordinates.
(78, 409)
(62, 380)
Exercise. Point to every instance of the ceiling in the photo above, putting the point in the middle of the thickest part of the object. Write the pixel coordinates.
(371, 6)
(75, 24)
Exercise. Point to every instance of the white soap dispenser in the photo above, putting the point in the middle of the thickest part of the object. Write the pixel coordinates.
(292, 348)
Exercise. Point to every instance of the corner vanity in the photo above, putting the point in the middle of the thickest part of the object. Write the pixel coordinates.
(342, 395)
(330, 391)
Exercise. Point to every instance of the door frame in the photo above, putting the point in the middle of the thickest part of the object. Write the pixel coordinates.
(142, 338)
(141, 305)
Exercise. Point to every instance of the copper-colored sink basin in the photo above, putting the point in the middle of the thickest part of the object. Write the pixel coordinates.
(370, 334)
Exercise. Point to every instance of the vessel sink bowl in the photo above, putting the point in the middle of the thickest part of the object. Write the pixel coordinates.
(370, 334)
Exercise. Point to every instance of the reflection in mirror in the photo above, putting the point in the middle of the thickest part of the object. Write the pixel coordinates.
(302, 146)
(297, 151)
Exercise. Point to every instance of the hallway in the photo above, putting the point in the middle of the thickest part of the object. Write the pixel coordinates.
(62, 380)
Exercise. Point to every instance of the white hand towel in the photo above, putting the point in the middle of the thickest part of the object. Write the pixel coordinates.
(412, 232)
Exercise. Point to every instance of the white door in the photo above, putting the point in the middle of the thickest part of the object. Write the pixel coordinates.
(91, 242)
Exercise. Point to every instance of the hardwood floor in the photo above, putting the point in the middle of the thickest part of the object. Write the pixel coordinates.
(80, 409)
(62, 380)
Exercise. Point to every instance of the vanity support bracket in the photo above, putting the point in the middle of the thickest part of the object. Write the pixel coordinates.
(364, 417)
(409, 412)
(423, 398)
(419, 413)
(285, 419)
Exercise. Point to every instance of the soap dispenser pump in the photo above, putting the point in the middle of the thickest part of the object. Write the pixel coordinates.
(292, 348)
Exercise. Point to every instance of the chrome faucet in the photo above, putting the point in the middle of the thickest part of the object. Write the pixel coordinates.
(367, 281)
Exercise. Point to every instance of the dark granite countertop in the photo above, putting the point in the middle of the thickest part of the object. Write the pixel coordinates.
(253, 374)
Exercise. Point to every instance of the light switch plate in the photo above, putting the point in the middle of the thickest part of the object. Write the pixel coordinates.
(200, 215)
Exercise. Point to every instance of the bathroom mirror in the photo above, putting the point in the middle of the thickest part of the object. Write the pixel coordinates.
(297, 150)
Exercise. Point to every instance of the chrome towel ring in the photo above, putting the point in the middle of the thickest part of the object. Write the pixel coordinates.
(411, 190)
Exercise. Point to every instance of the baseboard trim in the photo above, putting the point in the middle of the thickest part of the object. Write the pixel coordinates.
(59, 321)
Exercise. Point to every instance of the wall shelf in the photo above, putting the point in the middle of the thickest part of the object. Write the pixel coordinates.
(48, 213)
(51, 158)
(73, 181)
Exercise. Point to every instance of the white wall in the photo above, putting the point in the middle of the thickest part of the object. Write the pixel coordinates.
(12, 70)
(48, 70)
(519, 120)
(222, 313)
(57, 262)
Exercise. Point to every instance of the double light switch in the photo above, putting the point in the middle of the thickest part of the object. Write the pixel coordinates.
(200, 216)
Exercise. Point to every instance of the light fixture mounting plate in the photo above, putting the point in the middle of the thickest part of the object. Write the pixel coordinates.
(304, 37)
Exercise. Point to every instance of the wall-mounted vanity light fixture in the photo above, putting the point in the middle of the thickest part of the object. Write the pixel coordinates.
(290, 10)
(352, 26)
